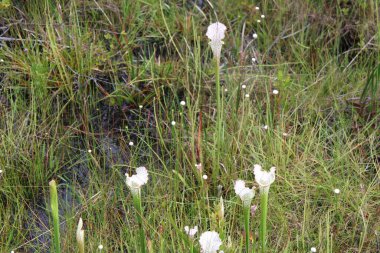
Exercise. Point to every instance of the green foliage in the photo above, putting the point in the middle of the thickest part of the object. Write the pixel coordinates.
(74, 73)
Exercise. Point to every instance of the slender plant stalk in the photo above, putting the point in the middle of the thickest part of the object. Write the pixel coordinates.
(54, 210)
(263, 223)
(138, 206)
(192, 247)
(246, 226)
(219, 119)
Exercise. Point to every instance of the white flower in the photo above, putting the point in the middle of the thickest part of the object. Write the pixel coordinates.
(244, 86)
(100, 247)
(246, 195)
(1, 171)
(254, 35)
(275, 92)
(173, 123)
(313, 249)
(89, 151)
(131, 143)
(253, 59)
(262, 16)
(183, 103)
(136, 181)
(80, 235)
(264, 178)
(140, 106)
(205, 177)
(210, 242)
(265, 127)
(257, 8)
(336, 191)
(191, 231)
(225, 90)
(247, 95)
(215, 32)
(258, 21)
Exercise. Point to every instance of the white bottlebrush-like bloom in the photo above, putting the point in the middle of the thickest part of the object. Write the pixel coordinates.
(191, 231)
(136, 181)
(210, 242)
(264, 178)
(80, 235)
(246, 194)
(215, 32)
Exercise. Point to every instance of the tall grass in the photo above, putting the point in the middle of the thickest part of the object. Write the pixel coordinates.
(73, 75)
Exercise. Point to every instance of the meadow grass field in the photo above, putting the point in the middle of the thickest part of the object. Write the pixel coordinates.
(93, 90)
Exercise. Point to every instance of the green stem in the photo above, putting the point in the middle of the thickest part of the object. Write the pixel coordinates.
(219, 119)
(263, 224)
(246, 226)
(54, 210)
(138, 207)
(192, 247)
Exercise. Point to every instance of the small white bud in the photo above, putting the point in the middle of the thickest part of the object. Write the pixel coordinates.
(244, 86)
(100, 247)
(313, 249)
(255, 36)
(247, 95)
(257, 8)
(89, 151)
(205, 177)
(253, 60)
(1, 60)
(131, 143)
(262, 16)
(336, 191)
(183, 103)
(265, 127)
(173, 123)
(275, 92)
(140, 106)
(258, 21)
(225, 90)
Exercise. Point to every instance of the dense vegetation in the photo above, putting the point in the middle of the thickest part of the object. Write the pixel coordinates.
(90, 90)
